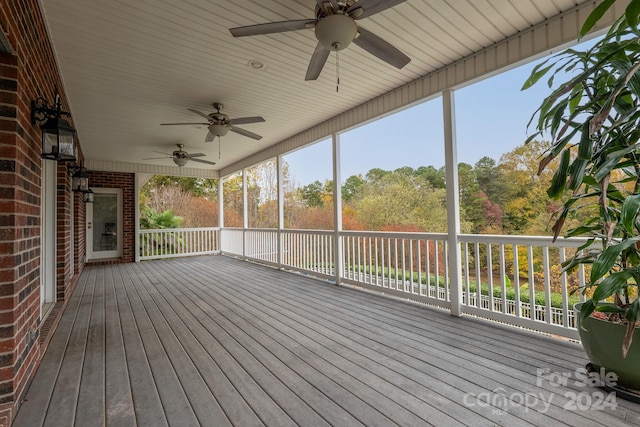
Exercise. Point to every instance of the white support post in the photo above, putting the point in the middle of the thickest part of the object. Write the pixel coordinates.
(280, 165)
(245, 212)
(136, 216)
(139, 180)
(453, 202)
(220, 211)
(337, 209)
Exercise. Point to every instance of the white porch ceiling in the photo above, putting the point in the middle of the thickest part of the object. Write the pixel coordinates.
(128, 66)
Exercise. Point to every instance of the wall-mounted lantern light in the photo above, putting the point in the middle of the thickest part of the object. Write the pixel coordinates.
(88, 196)
(79, 178)
(58, 136)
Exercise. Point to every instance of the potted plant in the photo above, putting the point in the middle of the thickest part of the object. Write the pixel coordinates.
(593, 119)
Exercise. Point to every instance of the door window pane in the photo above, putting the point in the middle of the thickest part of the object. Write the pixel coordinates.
(105, 220)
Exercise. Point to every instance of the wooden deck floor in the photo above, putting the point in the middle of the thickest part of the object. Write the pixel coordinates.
(216, 341)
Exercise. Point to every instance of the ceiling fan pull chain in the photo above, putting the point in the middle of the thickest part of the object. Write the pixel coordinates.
(219, 149)
(337, 70)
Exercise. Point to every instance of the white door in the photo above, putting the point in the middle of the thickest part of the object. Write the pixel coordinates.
(48, 236)
(104, 224)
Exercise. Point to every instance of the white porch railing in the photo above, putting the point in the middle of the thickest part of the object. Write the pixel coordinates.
(409, 265)
(177, 242)
(526, 286)
(310, 251)
(511, 279)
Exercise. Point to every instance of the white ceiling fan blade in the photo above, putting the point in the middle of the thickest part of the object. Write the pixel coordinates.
(209, 137)
(196, 155)
(318, 59)
(272, 27)
(203, 161)
(158, 158)
(179, 124)
(371, 7)
(380, 48)
(245, 132)
(200, 113)
(246, 120)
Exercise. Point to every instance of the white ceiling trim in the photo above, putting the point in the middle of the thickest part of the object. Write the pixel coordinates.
(547, 37)
(124, 167)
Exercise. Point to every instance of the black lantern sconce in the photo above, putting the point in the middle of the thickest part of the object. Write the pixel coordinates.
(80, 181)
(58, 136)
(79, 178)
(88, 196)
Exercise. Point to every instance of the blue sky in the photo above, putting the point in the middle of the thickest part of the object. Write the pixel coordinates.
(491, 119)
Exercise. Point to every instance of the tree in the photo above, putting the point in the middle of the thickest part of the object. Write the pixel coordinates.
(233, 201)
(352, 187)
(400, 198)
(471, 198)
(311, 194)
(491, 180)
(436, 177)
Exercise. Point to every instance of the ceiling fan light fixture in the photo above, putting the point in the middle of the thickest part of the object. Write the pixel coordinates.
(336, 32)
(218, 129)
(180, 161)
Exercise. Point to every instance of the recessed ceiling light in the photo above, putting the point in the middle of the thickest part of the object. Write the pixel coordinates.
(256, 64)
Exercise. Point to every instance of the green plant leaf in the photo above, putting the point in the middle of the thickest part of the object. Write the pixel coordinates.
(609, 308)
(536, 74)
(585, 311)
(608, 258)
(630, 209)
(611, 284)
(576, 173)
(560, 176)
(632, 13)
(633, 312)
(611, 160)
(595, 16)
(585, 148)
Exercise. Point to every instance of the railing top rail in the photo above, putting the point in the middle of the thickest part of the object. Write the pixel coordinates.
(562, 242)
(399, 235)
(305, 231)
(170, 230)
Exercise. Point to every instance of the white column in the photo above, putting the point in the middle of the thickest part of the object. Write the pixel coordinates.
(221, 202)
(139, 179)
(279, 166)
(453, 202)
(245, 211)
(337, 209)
(220, 211)
(136, 216)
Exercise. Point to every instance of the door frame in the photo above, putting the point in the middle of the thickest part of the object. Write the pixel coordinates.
(97, 255)
(48, 242)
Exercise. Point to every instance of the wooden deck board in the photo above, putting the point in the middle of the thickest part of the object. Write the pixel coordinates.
(217, 341)
(118, 398)
(90, 407)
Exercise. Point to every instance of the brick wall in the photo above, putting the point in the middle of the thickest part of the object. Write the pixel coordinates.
(126, 182)
(28, 72)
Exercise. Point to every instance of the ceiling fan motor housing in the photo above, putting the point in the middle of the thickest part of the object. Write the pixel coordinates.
(218, 129)
(336, 32)
(219, 122)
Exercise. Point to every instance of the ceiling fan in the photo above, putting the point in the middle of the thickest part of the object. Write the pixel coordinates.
(220, 124)
(181, 157)
(335, 29)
